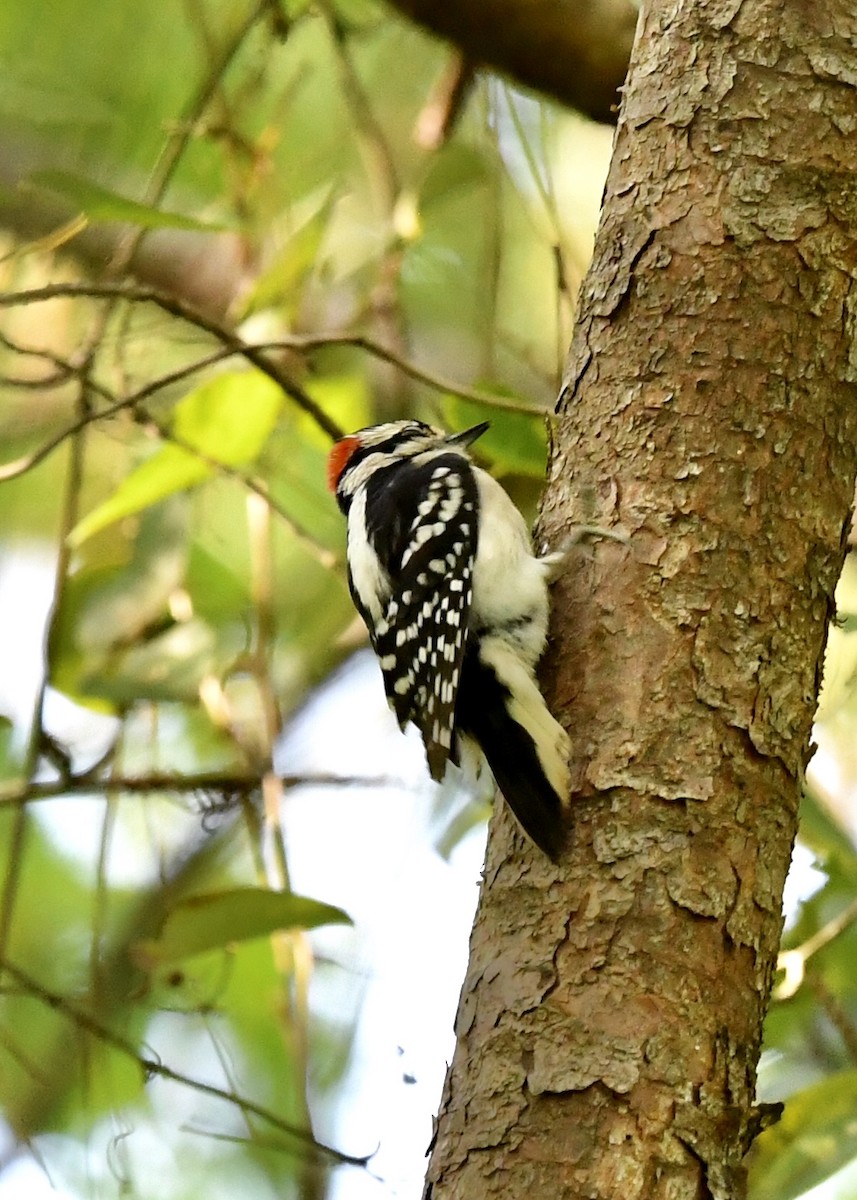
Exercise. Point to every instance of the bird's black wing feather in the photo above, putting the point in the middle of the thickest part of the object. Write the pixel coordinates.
(483, 713)
(422, 520)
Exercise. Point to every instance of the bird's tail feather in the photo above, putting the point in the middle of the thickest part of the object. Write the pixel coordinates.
(526, 748)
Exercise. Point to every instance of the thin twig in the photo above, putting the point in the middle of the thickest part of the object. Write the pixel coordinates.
(154, 1067)
(101, 891)
(177, 307)
(163, 172)
(45, 384)
(291, 949)
(21, 466)
(794, 961)
(205, 781)
(392, 202)
(321, 553)
(52, 241)
(64, 369)
(299, 342)
(184, 129)
(836, 1013)
(377, 156)
(20, 821)
(440, 113)
(406, 366)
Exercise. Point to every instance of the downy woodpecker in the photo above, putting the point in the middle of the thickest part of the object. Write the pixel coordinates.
(441, 569)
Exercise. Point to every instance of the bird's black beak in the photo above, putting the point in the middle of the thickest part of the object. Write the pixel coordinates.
(469, 436)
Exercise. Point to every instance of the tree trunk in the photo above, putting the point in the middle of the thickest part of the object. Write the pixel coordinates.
(610, 1022)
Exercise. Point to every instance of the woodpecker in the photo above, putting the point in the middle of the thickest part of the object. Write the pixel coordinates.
(441, 568)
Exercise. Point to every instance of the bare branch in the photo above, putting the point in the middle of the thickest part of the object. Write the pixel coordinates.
(185, 312)
(65, 369)
(432, 380)
(154, 1067)
(573, 50)
(229, 784)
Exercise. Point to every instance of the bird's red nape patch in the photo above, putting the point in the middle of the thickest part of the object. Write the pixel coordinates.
(338, 458)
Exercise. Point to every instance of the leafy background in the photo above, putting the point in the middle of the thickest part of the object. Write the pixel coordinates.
(232, 229)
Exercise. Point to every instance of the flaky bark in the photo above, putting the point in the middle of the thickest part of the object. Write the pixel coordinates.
(610, 1022)
(575, 51)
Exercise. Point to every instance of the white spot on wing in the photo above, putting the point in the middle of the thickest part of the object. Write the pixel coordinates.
(402, 685)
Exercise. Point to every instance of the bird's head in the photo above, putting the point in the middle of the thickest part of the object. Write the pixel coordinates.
(355, 457)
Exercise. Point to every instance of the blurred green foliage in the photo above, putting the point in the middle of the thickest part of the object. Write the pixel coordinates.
(273, 167)
(811, 1030)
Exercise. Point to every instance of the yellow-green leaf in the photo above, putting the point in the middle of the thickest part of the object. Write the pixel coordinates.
(279, 284)
(516, 443)
(102, 204)
(815, 1137)
(227, 420)
(215, 920)
(230, 418)
(169, 470)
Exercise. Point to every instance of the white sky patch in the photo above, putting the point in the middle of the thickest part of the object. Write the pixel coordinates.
(803, 881)
(25, 595)
(371, 851)
(25, 1180)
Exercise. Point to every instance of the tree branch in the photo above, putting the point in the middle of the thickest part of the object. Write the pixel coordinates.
(180, 308)
(575, 51)
(154, 1067)
(204, 781)
(65, 370)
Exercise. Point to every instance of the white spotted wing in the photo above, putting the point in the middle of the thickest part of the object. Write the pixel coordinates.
(426, 520)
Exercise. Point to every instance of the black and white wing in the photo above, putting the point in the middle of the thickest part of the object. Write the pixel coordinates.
(422, 520)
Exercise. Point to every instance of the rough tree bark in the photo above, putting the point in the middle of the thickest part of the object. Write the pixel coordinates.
(610, 1022)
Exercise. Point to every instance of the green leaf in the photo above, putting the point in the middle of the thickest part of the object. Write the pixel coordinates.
(133, 596)
(113, 602)
(40, 100)
(213, 921)
(218, 588)
(359, 14)
(453, 169)
(227, 420)
(516, 443)
(280, 283)
(169, 470)
(166, 666)
(822, 830)
(344, 397)
(816, 1136)
(230, 418)
(101, 204)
